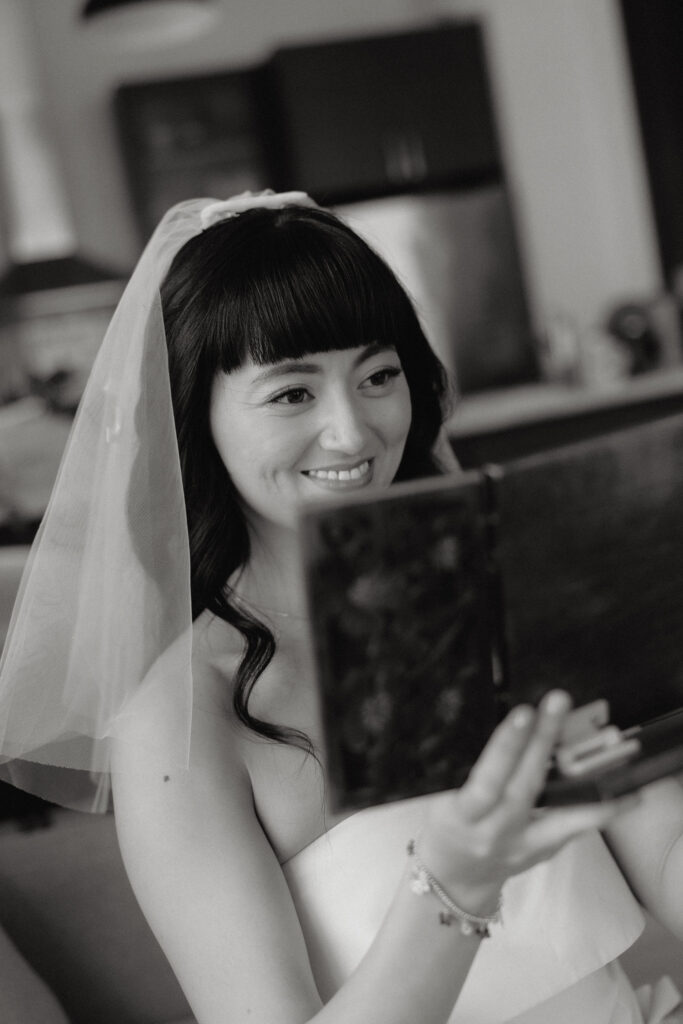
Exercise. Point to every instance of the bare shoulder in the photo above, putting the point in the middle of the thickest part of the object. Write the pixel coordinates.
(179, 734)
(176, 763)
(200, 864)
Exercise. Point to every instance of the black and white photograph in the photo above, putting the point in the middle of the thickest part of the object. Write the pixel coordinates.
(341, 512)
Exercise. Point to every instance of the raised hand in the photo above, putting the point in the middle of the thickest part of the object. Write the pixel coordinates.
(489, 829)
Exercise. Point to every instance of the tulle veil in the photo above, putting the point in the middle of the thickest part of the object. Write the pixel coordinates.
(103, 615)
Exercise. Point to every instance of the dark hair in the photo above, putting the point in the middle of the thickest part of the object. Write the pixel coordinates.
(272, 285)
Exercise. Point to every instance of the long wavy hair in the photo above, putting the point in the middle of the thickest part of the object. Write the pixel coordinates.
(274, 285)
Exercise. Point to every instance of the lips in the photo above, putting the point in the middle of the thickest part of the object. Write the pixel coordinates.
(358, 473)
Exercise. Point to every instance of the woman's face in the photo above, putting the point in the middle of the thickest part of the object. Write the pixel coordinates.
(328, 424)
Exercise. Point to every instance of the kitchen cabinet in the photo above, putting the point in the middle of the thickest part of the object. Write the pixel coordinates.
(358, 118)
(190, 136)
(654, 36)
(347, 119)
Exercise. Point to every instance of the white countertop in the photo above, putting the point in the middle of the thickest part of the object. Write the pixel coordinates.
(504, 408)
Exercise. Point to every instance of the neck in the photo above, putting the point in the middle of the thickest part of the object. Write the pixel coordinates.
(273, 580)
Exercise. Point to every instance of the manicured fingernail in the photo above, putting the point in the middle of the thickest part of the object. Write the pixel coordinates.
(521, 717)
(555, 702)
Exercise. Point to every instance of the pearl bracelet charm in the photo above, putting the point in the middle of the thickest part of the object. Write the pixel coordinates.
(423, 882)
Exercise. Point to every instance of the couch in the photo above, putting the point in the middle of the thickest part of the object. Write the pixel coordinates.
(67, 908)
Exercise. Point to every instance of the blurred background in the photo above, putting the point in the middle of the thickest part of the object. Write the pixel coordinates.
(518, 162)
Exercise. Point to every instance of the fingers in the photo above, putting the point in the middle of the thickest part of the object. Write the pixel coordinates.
(515, 760)
(491, 772)
(490, 825)
(528, 780)
(552, 829)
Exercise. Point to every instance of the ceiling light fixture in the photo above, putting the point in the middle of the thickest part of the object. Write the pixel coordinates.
(144, 23)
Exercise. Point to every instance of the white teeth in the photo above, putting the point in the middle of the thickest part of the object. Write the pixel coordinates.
(341, 474)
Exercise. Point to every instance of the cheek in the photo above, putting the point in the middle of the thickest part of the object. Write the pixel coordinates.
(398, 417)
(235, 444)
(251, 451)
(221, 433)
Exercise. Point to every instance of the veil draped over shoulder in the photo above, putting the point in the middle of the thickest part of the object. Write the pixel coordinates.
(103, 617)
(106, 591)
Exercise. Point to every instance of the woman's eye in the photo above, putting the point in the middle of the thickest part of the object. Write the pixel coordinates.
(380, 378)
(293, 396)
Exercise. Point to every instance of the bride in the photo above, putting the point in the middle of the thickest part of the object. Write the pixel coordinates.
(263, 355)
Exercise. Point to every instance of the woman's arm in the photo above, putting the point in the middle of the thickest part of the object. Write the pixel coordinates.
(217, 900)
(647, 843)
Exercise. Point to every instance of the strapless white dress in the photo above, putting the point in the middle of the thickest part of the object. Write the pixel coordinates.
(554, 958)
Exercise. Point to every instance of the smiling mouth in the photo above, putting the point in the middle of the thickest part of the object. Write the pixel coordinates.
(353, 474)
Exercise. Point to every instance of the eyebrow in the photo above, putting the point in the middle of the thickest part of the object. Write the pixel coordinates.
(300, 366)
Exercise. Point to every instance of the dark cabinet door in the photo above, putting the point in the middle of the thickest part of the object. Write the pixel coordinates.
(654, 34)
(369, 116)
(190, 136)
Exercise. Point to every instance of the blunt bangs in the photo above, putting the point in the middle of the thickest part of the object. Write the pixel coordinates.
(275, 285)
(305, 284)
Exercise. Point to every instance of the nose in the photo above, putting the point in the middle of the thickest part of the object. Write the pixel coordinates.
(343, 429)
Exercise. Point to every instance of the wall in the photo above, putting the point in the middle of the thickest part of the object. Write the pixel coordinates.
(573, 151)
(564, 103)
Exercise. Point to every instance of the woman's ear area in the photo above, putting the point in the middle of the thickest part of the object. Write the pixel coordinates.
(444, 454)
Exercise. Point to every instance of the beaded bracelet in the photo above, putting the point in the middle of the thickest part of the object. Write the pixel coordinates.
(423, 881)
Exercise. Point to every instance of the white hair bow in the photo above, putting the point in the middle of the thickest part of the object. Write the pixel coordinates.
(226, 208)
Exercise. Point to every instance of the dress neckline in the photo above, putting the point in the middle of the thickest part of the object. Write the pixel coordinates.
(324, 835)
(398, 810)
